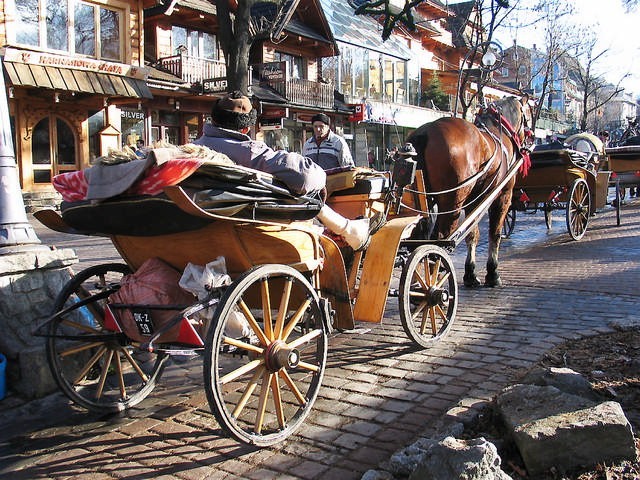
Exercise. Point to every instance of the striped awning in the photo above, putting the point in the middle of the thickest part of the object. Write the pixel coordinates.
(74, 80)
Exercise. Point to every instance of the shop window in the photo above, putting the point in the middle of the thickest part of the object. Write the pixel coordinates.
(96, 124)
(295, 65)
(195, 43)
(132, 123)
(72, 26)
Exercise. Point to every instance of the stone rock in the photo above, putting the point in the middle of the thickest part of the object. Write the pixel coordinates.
(555, 429)
(377, 475)
(451, 458)
(564, 379)
(405, 461)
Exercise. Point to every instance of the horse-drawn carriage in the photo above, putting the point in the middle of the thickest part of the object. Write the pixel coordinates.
(563, 176)
(624, 163)
(263, 330)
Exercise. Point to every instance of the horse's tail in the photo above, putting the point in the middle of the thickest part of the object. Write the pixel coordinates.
(426, 227)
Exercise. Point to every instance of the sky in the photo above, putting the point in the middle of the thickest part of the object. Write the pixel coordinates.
(615, 30)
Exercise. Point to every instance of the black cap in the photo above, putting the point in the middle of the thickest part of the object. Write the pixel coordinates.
(321, 117)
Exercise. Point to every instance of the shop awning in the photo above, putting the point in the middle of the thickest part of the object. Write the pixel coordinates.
(73, 80)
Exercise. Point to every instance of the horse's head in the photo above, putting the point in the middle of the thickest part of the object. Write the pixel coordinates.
(517, 111)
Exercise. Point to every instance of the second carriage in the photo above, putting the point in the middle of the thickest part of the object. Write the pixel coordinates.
(563, 176)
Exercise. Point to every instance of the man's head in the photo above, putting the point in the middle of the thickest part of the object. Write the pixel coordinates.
(320, 124)
(139, 143)
(234, 111)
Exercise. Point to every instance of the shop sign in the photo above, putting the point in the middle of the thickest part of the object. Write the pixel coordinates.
(358, 112)
(79, 63)
(303, 117)
(275, 112)
(271, 124)
(273, 72)
(132, 114)
(214, 85)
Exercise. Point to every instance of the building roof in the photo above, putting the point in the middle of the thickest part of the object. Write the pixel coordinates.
(361, 30)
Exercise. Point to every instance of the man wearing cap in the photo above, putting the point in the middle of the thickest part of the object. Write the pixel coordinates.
(232, 117)
(325, 147)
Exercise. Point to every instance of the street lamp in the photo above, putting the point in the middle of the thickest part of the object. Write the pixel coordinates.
(16, 233)
(491, 60)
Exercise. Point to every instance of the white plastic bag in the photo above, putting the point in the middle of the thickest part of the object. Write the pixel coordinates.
(201, 280)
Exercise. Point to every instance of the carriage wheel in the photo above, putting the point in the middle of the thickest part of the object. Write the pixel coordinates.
(578, 208)
(548, 215)
(509, 223)
(428, 295)
(97, 368)
(265, 356)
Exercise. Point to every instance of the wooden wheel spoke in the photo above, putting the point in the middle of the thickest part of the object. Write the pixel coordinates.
(432, 316)
(264, 340)
(442, 314)
(284, 307)
(305, 338)
(435, 271)
(241, 344)
(419, 310)
(423, 322)
(79, 326)
(248, 391)
(295, 319)
(119, 373)
(135, 365)
(266, 308)
(292, 386)
(277, 400)
(421, 280)
(444, 279)
(262, 402)
(246, 368)
(92, 361)
(103, 374)
(79, 348)
(309, 366)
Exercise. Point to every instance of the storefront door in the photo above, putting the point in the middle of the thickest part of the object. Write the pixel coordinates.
(53, 149)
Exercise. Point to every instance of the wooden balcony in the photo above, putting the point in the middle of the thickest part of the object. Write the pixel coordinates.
(306, 93)
(192, 69)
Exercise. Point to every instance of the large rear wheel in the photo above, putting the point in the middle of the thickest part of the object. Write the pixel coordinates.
(97, 368)
(428, 295)
(578, 209)
(265, 354)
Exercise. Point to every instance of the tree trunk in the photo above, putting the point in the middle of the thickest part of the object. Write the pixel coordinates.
(235, 41)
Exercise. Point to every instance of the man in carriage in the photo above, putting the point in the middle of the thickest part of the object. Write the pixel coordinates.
(232, 116)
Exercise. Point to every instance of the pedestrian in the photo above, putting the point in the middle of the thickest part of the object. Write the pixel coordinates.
(326, 148)
(232, 116)
(371, 159)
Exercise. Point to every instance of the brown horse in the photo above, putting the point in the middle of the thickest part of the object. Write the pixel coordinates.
(463, 163)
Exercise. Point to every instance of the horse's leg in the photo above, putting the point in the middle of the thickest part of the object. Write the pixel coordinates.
(497, 214)
(470, 278)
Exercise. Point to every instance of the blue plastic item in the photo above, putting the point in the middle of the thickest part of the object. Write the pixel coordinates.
(3, 378)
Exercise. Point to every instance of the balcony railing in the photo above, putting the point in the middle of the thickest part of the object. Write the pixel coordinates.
(192, 69)
(306, 92)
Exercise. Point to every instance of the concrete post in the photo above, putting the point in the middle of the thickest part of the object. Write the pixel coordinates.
(16, 233)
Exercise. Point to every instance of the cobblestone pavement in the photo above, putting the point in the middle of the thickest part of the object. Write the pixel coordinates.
(379, 392)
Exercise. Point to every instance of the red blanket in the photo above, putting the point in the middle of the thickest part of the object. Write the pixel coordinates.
(73, 186)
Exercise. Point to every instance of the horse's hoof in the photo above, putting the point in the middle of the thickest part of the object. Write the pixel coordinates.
(492, 282)
(471, 282)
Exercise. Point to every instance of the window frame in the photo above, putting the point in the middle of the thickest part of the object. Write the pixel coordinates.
(123, 10)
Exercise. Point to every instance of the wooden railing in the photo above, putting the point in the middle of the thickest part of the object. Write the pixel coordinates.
(192, 69)
(306, 92)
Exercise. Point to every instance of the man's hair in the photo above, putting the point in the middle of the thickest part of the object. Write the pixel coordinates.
(234, 111)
